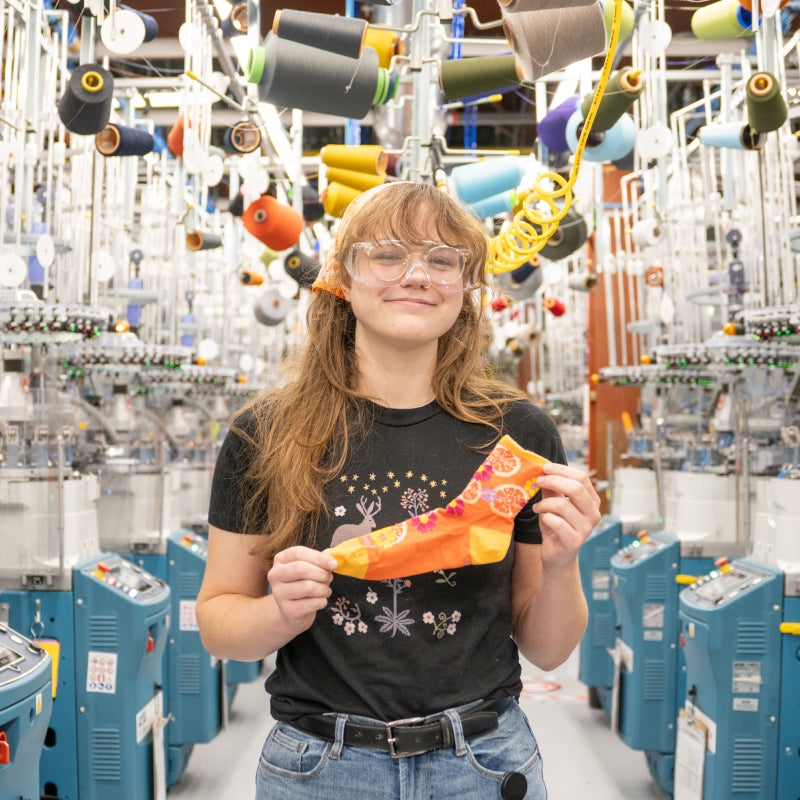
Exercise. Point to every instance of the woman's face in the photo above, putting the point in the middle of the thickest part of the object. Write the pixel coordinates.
(413, 312)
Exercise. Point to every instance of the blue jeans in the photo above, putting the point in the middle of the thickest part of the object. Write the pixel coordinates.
(295, 765)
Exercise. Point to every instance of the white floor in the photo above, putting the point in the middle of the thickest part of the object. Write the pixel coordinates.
(582, 757)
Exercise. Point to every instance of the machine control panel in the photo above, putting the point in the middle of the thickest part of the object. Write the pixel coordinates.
(18, 655)
(642, 547)
(127, 578)
(197, 544)
(723, 585)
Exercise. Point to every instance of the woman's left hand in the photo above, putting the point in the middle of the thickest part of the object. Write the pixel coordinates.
(568, 510)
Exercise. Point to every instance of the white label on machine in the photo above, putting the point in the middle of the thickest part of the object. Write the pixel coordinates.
(653, 615)
(144, 719)
(159, 751)
(601, 584)
(746, 677)
(745, 704)
(188, 620)
(101, 673)
(690, 757)
(653, 636)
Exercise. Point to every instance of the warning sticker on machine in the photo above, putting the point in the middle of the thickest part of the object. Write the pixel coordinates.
(101, 674)
(745, 704)
(653, 615)
(746, 677)
(188, 619)
(601, 584)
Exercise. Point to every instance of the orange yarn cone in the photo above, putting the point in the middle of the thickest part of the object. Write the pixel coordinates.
(474, 528)
(276, 225)
(175, 137)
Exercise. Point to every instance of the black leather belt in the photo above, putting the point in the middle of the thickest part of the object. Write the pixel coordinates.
(407, 737)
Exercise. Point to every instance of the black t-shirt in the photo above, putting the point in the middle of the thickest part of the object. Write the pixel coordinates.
(392, 649)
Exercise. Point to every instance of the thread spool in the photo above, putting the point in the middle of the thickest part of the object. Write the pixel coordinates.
(467, 77)
(236, 205)
(570, 234)
(627, 20)
(329, 32)
(478, 180)
(241, 138)
(387, 44)
(548, 40)
(268, 256)
(332, 84)
(85, 106)
(552, 128)
(555, 306)
(360, 158)
(522, 282)
(337, 197)
(235, 24)
(616, 142)
(646, 233)
(766, 108)
(302, 268)
(654, 277)
(276, 225)
(150, 23)
(199, 240)
(120, 140)
(495, 205)
(725, 19)
(249, 278)
(355, 180)
(731, 135)
(585, 282)
(272, 307)
(622, 89)
(313, 210)
(175, 137)
(133, 312)
(124, 31)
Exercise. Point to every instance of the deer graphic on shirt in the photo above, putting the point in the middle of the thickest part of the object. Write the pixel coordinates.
(367, 524)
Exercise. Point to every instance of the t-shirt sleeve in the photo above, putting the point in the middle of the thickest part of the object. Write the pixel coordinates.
(229, 483)
(535, 430)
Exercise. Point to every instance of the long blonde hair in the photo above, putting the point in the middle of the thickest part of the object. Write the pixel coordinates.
(302, 430)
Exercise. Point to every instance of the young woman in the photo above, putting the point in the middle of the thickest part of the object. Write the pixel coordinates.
(407, 686)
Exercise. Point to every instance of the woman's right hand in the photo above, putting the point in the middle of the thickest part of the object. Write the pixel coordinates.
(300, 580)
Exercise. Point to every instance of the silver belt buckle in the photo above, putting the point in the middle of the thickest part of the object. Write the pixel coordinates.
(391, 739)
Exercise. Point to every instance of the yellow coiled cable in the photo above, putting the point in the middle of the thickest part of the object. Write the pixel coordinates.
(530, 228)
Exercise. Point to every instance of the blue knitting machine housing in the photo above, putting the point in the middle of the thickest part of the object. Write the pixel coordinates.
(742, 679)
(110, 632)
(596, 663)
(26, 702)
(651, 675)
(196, 700)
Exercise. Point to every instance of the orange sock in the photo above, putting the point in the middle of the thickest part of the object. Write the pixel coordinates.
(474, 528)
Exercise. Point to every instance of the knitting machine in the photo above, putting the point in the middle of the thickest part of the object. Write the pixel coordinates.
(649, 673)
(26, 701)
(732, 720)
(96, 614)
(596, 668)
(740, 727)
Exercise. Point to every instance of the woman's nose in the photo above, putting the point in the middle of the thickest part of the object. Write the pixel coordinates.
(416, 268)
